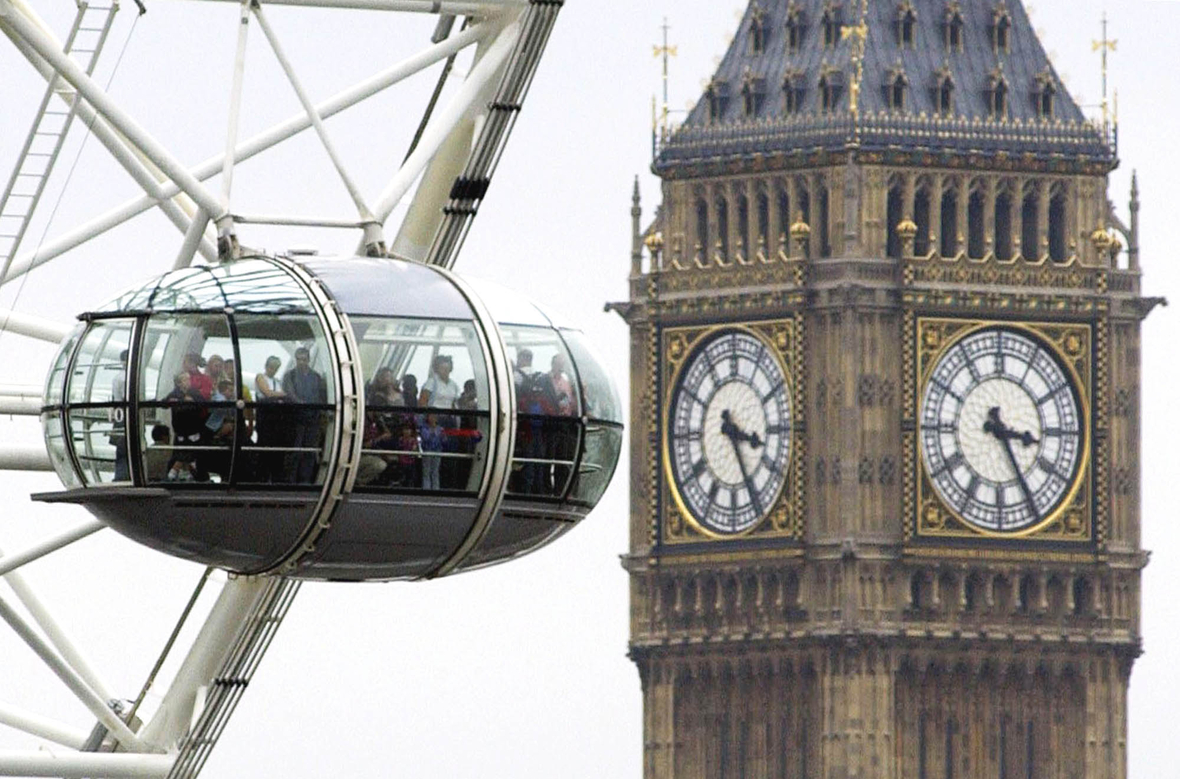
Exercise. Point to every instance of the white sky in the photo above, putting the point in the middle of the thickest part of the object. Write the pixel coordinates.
(519, 670)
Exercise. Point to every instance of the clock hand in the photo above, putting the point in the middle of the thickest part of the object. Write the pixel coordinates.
(993, 425)
(731, 431)
(996, 427)
(733, 440)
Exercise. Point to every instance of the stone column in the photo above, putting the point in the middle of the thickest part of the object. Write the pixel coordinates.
(989, 215)
(963, 196)
(1042, 248)
(936, 213)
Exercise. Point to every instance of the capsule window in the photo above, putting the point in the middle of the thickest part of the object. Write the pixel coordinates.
(427, 417)
(602, 440)
(548, 409)
(202, 416)
(97, 393)
(59, 455)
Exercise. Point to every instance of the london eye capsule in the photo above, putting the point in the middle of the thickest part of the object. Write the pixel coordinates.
(347, 418)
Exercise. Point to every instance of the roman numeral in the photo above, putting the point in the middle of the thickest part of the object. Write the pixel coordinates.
(949, 463)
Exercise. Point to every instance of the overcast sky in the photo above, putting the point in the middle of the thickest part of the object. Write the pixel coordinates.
(519, 670)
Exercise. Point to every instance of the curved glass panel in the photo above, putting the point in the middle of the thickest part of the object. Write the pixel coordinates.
(288, 392)
(601, 398)
(508, 306)
(97, 396)
(426, 404)
(600, 454)
(548, 411)
(248, 285)
(389, 288)
(55, 444)
(55, 383)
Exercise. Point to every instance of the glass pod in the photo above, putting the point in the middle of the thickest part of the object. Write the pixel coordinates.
(347, 418)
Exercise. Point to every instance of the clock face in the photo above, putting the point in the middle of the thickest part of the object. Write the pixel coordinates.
(1002, 430)
(729, 431)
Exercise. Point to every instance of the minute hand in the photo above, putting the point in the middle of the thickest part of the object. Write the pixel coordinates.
(997, 428)
(734, 434)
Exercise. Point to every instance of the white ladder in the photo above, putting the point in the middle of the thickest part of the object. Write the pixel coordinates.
(85, 42)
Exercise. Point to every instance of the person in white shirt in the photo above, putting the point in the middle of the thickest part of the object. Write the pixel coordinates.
(439, 391)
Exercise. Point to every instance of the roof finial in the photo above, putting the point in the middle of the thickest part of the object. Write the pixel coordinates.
(1105, 45)
(636, 234)
(858, 35)
(664, 51)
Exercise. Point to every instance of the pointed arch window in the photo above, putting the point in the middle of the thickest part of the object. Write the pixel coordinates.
(794, 28)
(895, 89)
(792, 92)
(832, 22)
(717, 95)
(953, 27)
(997, 97)
(830, 91)
(702, 214)
(757, 29)
(753, 91)
(944, 95)
(1044, 96)
(907, 20)
(1001, 29)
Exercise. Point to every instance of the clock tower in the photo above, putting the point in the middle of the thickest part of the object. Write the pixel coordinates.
(884, 409)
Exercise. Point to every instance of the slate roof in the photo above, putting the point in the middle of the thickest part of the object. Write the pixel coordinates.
(721, 126)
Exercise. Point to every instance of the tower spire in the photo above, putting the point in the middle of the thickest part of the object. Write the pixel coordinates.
(664, 51)
(1105, 45)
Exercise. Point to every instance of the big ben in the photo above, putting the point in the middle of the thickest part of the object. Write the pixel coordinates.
(884, 422)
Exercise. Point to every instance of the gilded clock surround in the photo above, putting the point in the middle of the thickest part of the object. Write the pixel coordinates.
(1072, 345)
(784, 520)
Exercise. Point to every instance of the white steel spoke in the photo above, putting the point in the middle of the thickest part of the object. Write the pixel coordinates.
(454, 7)
(33, 326)
(313, 116)
(20, 401)
(175, 206)
(440, 126)
(42, 727)
(73, 765)
(24, 458)
(192, 240)
(76, 684)
(9, 563)
(235, 103)
(55, 633)
(19, 19)
(252, 146)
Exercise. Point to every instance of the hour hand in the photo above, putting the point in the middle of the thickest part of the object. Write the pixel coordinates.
(730, 430)
(1005, 436)
(996, 427)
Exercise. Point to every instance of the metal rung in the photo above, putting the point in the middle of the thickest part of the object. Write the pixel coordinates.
(47, 125)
